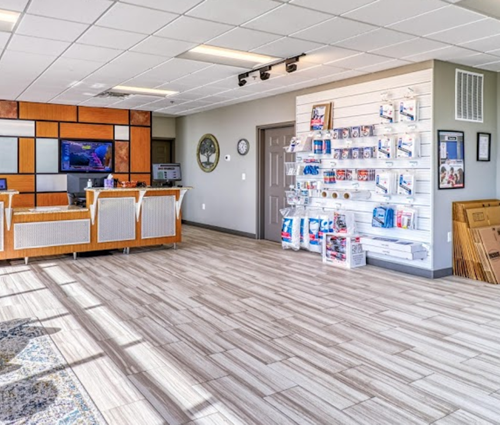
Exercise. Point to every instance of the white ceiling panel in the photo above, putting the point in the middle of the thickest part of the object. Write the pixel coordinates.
(201, 92)
(136, 19)
(15, 5)
(340, 76)
(409, 48)
(484, 44)
(234, 12)
(333, 31)
(55, 29)
(287, 19)
(192, 29)
(494, 66)
(360, 61)
(478, 59)
(386, 12)
(86, 11)
(335, 7)
(287, 46)
(175, 6)
(449, 53)
(134, 101)
(113, 39)
(91, 53)
(22, 43)
(99, 102)
(393, 63)
(244, 39)
(440, 19)
(4, 37)
(328, 54)
(469, 32)
(209, 75)
(375, 40)
(163, 46)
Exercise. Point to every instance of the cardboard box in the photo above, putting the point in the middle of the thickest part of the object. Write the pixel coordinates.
(490, 238)
(392, 244)
(343, 251)
(483, 217)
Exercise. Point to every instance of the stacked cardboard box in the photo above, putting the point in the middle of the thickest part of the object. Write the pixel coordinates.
(476, 240)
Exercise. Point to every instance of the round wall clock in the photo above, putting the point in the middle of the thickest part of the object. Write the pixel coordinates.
(208, 153)
(243, 146)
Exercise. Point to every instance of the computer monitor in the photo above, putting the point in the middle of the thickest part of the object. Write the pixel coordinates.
(3, 184)
(167, 172)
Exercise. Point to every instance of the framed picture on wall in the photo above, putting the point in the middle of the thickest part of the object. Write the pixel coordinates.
(483, 146)
(320, 116)
(451, 159)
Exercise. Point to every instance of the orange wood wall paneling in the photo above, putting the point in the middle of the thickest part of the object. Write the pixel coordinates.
(8, 109)
(51, 199)
(140, 118)
(140, 150)
(47, 129)
(23, 200)
(46, 111)
(87, 131)
(20, 182)
(122, 177)
(141, 178)
(103, 115)
(26, 155)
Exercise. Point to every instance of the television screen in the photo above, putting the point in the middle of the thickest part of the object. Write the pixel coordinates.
(86, 156)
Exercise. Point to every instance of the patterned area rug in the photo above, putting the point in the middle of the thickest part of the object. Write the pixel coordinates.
(36, 386)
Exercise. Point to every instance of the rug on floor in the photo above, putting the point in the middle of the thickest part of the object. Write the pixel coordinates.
(36, 385)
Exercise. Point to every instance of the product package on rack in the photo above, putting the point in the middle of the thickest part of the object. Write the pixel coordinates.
(385, 183)
(406, 218)
(337, 154)
(366, 174)
(385, 148)
(337, 134)
(314, 226)
(325, 225)
(290, 230)
(406, 183)
(301, 144)
(383, 217)
(408, 146)
(367, 130)
(356, 131)
(386, 113)
(344, 222)
(408, 110)
(369, 152)
(304, 230)
(357, 153)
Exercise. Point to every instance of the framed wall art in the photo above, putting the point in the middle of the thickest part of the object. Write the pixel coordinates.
(321, 116)
(451, 159)
(484, 147)
(208, 153)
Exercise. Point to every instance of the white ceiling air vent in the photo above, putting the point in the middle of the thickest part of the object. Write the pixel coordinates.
(108, 94)
(469, 96)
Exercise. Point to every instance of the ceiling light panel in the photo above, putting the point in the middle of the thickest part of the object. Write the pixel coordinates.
(174, 6)
(233, 12)
(219, 55)
(55, 29)
(136, 19)
(142, 90)
(72, 10)
(8, 20)
(193, 30)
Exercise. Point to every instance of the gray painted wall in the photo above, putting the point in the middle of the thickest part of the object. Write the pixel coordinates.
(164, 127)
(480, 177)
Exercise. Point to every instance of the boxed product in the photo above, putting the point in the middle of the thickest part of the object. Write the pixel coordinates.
(356, 131)
(369, 152)
(357, 153)
(346, 153)
(367, 130)
(337, 134)
(341, 175)
(386, 113)
(350, 174)
(343, 251)
(346, 132)
(385, 182)
(383, 217)
(344, 222)
(366, 175)
(408, 110)
(408, 146)
(406, 218)
(406, 183)
(385, 149)
(337, 154)
(394, 247)
(301, 144)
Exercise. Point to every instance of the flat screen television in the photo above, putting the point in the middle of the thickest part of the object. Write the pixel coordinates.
(86, 156)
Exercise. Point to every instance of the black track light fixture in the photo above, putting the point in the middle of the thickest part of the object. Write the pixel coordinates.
(291, 64)
(242, 79)
(264, 73)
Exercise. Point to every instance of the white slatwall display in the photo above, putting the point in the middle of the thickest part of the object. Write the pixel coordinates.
(116, 219)
(51, 233)
(358, 105)
(1, 226)
(158, 217)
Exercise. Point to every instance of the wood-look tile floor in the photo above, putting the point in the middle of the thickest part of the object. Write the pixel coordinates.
(228, 330)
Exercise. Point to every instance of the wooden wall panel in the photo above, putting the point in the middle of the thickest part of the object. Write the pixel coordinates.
(122, 177)
(46, 111)
(140, 118)
(87, 131)
(47, 129)
(121, 157)
(8, 109)
(26, 155)
(140, 150)
(20, 182)
(51, 199)
(25, 200)
(103, 115)
(141, 178)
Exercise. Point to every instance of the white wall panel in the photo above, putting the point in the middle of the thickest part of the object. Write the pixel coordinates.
(116, 219)
(8, 155)
(158, 217)
(122, 132)
(47, 155)
(51, 183)
(17, 128)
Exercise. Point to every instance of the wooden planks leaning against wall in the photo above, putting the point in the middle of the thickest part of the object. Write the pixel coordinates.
(30, 123)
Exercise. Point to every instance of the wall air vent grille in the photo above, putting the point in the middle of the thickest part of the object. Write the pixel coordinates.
(469, 96)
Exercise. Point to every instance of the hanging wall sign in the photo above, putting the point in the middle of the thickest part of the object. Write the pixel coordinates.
(208, 153)
(451, 160)
(483, 146)
(320, 117)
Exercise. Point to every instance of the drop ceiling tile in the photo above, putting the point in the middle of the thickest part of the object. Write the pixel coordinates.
(71, 10)
(97, 101)
(287, 19)
(91, 53)
(65, 72)
(15, 5)
(55, 29)
(174, 6)
(436, 20)
(360, 61)
(163, 46)
(243, 39)
(286, 47)
(449, 53)
(382, 66)
(207, 76)
(22, 43)
(234, 12)
(340, 76)
(478, 59)
(136, 19)
(485, 44)
(126, 66)
(386, 12)
(328, 54)
(4, 37)
(409, 48)
(192, 29)
(202, 91)
(107, 37)
(494, 66)
(335, 7)
(469, 32)
(333, 31)
(375, 40)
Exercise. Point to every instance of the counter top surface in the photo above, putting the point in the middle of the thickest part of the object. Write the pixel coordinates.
(9, 192)
(45, 210)
(135, 189)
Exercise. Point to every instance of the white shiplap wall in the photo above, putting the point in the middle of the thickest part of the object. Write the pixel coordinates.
(359, 105)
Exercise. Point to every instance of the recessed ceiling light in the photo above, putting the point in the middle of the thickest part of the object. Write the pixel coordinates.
(8, 19)
(143, 90)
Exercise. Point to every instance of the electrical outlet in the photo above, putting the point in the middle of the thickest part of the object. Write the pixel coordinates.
(202, 206)
(449, 236)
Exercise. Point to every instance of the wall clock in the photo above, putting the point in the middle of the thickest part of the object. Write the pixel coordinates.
(208, 153)
(243, 146)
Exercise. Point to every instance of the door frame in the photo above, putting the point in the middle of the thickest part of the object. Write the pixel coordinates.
(163, 139)
(260, 159)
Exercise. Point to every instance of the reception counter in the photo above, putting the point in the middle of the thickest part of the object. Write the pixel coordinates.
(113, 219)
